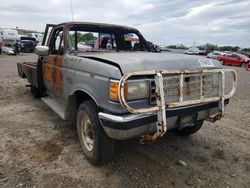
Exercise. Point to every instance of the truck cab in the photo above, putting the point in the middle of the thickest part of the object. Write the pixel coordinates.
(108, 81)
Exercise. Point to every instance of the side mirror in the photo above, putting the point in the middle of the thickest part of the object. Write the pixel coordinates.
(42, 50)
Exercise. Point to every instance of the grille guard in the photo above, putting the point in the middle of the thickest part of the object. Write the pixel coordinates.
(160, 99)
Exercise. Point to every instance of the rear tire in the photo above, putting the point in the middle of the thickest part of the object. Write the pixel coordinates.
(97, 147)
(190, 130)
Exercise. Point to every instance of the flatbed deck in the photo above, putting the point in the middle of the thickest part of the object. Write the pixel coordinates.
(28, 70)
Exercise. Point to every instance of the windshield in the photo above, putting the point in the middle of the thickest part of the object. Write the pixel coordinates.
(81, 40)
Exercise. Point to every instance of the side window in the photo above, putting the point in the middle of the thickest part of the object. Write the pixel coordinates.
(82, 41)
(85, 41)
(234, 56)
(96, 39)
(56, 44)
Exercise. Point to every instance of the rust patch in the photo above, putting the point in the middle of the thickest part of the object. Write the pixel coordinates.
(47, 72)
(52, 72)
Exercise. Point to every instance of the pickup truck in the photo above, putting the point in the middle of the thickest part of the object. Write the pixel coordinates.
(109, 81)
(27, 44)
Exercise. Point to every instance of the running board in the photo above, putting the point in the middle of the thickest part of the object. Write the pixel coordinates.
(56, 106)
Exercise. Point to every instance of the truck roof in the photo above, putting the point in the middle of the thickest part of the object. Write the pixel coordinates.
(100, 25)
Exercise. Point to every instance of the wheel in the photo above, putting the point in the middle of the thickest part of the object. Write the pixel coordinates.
(97, 147)
(222, 62)
(190, 130)
(243, 65)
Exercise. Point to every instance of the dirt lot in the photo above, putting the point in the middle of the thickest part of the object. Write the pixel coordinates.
(38, 149)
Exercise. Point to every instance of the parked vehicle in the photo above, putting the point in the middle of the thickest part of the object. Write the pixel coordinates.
(8, 37)
(8, 50)
(202, 52)
(154, 47)
(213, 55)
(192, 51)
(246, 54)
(120, 89)
(27, 44)
(37, 36)
(233, 59)
(164, 48)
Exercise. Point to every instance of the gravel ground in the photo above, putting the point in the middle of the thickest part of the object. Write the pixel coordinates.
(38, 149)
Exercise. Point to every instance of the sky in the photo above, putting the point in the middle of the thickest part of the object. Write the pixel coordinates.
(164, 22)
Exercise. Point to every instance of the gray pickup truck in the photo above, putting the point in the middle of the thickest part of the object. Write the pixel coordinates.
(110, 82)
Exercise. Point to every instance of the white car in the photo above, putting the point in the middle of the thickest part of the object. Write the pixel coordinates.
(214, 54)
(8, 51)
(191, 52)
(82, 46)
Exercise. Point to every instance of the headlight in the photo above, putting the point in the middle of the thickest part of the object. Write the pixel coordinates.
(138, 90)
(133, 90)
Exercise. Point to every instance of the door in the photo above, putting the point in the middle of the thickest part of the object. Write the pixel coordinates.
(236, 60)
(230, 59)
(52, 75)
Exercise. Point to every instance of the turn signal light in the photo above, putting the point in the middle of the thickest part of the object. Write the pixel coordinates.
(113, 90)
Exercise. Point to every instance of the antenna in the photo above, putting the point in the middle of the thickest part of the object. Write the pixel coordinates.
(72, 13)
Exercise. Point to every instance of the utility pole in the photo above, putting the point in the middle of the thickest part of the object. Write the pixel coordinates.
(72, 13)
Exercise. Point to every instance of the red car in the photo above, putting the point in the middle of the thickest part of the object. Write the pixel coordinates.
(233, 59)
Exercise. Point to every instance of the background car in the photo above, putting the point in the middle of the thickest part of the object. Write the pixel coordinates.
(28, 44)
(234, 59)
(8, 51)
(192, 51)
(203, 52)
(154, 47)
(164, 48)
(214, 54)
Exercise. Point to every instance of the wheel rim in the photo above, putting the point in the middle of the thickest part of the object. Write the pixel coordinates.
(87, 132)
(243, 65)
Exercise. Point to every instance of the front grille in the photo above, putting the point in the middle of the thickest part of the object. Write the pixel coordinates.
(171, 89)
(211, 85)
(191, 87)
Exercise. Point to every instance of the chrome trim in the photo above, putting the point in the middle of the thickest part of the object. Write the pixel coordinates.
(123, 118)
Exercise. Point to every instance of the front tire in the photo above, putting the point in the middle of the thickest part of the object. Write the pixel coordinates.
(222, 62)
(243, 65)
(190, 130)
(97, 147)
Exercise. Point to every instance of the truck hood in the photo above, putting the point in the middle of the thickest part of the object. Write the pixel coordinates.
(139, 61)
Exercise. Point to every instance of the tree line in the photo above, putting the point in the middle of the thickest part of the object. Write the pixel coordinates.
(212, 47)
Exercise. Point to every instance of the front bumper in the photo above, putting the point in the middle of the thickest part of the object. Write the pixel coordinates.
(123, 127)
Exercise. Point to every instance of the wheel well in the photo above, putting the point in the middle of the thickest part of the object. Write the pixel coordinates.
(74, 102)
(81, 96)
